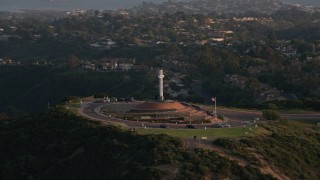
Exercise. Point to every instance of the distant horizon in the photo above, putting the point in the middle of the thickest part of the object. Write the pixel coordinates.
(315, 3)
(18, 5)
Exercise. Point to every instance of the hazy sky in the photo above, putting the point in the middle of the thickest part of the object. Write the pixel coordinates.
(15, 5)
(307, 2)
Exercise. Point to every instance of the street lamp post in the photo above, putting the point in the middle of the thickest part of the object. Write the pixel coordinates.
(215, 106)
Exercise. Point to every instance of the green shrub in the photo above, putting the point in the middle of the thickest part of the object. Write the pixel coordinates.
(99, 95)
(271, 115)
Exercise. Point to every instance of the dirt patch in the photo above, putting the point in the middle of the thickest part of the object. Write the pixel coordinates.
(191, 144)
(172, 170)
(265, 168)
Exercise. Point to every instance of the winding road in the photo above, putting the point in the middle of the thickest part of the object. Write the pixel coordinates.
(235, 118)
(91, 111)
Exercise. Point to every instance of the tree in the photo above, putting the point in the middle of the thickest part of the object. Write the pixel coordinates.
(231, 65)
(73, 62)
(96, 13)
(206, 61)
(252, 84)
(174, 50)
(3, 116)
(272, 37)
(107, 17)
(99, 95)
(272, 106)
(271, 114)
(70, 99)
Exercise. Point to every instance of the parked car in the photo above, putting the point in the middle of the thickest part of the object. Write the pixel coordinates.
(225, 125)
(129, 99)
(164, 126)
(98, 101)
(113, 99)
(247, 123)
(220, 125)
(191, 126)
(121, 99)
(216, 125)
(106, 100)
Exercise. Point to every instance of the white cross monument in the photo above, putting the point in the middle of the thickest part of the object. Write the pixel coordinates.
(161, 76)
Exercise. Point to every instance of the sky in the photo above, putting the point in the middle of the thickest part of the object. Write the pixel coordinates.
(15, 5)
(305, 2)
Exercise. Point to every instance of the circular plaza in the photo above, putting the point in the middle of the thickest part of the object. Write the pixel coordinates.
(158, 112)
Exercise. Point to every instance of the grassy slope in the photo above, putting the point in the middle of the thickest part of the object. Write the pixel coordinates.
(210, 133)
(279, 145)
(291, 147)
(59, 145)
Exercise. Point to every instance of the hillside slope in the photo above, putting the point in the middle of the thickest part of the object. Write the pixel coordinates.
(59, 145)
(289, 151)
(31, 88)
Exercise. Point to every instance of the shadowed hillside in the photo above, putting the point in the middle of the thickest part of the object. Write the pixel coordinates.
(31, 88)
(58, 145)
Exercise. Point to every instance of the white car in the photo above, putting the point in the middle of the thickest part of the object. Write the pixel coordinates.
(225, 125)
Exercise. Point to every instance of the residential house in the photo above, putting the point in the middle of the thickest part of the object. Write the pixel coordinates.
(126, 64)
(88, 66)
(109, 64)
(176, 81)
(271, 94)
(289, 52)
(121, 64)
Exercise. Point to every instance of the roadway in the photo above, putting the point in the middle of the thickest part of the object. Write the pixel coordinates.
(233, 117)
